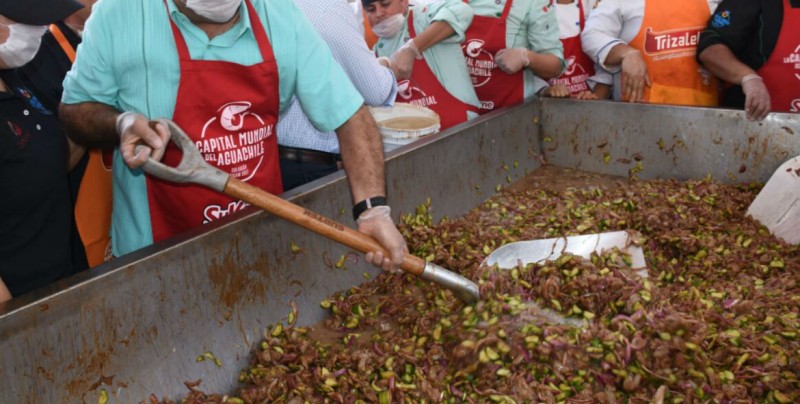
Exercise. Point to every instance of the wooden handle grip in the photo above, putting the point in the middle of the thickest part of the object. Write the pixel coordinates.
(315, 222)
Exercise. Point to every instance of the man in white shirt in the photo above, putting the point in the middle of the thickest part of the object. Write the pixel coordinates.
(306, 153)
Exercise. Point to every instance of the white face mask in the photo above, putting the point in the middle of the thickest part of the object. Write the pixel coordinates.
(215, 10)
(390, 27)
(22, 44)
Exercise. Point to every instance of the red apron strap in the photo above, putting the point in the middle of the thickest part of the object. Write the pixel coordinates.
(507, 9)
(180, 43)
(581, 14)
(255, 23)
(258, 30)
(411, 31)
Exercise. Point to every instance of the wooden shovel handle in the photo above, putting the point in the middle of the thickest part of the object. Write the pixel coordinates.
(315, 222)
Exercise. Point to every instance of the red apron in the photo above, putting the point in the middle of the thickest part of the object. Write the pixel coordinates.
(781, 73)
(425, 90)
(484, 38)
(230, 111)
(579, 66)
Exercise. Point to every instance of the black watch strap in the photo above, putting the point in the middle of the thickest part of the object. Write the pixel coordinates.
(362, 206)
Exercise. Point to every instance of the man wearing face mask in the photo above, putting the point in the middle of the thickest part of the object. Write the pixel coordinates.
(35, 231)
(223, 70)
(423, 46)
(90, 180)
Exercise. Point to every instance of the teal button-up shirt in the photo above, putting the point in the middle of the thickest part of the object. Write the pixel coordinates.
(128, 60)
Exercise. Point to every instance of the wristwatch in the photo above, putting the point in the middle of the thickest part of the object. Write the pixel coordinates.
(362, 206)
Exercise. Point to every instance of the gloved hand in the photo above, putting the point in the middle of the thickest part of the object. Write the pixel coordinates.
(402, 60)
(757, 102)
(634, 77)
(135, 129)
(556, 91)
(377, 222)
(512, 60)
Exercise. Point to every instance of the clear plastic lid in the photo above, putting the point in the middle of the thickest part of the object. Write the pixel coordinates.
(405, 122)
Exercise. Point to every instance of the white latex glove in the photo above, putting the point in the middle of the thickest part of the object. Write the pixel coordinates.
(757, 102)
(634, 77)
(512, 60)
(402, 60)
(135, 129)
(377, 222)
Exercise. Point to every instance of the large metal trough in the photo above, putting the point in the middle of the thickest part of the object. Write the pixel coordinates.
(135, 326)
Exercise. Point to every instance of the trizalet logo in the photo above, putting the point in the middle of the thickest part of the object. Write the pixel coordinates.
(683, 39)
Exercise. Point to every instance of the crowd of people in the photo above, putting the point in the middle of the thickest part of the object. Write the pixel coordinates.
(274, 93)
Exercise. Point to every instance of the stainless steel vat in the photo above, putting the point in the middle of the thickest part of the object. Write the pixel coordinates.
(135, 326)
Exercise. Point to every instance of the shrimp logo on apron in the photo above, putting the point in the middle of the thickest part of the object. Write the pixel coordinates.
(794, 58)
(414, 95)
(226, 143)
(480, 63)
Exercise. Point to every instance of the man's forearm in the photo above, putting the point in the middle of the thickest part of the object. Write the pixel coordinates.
(435, 33)
(544, 65)
(362, 155)
(721, 62)
(90, 124)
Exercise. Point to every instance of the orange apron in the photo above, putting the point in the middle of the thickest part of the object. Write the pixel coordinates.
(668, 42)
(93, 206)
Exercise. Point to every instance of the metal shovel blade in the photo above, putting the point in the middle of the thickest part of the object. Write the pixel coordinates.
(777, 206)
(538, 251)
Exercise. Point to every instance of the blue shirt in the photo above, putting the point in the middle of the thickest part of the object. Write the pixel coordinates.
(336, 23)
(129, 61)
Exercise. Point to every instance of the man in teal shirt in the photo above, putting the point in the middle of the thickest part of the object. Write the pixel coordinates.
(128, 71)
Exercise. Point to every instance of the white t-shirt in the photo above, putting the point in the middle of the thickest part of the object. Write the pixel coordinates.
(568, 18)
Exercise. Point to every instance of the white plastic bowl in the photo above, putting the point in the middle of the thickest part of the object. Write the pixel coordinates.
(404, 123)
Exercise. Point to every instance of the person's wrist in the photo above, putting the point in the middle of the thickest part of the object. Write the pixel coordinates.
(750, 77)
(413, 46)
(375, 212)
(525, 59)
(124, 121)
(366, 204)
(628, 53)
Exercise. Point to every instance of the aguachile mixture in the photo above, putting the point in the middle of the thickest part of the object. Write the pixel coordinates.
(715, 321)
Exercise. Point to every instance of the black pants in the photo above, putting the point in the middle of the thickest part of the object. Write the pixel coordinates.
(296, 173)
